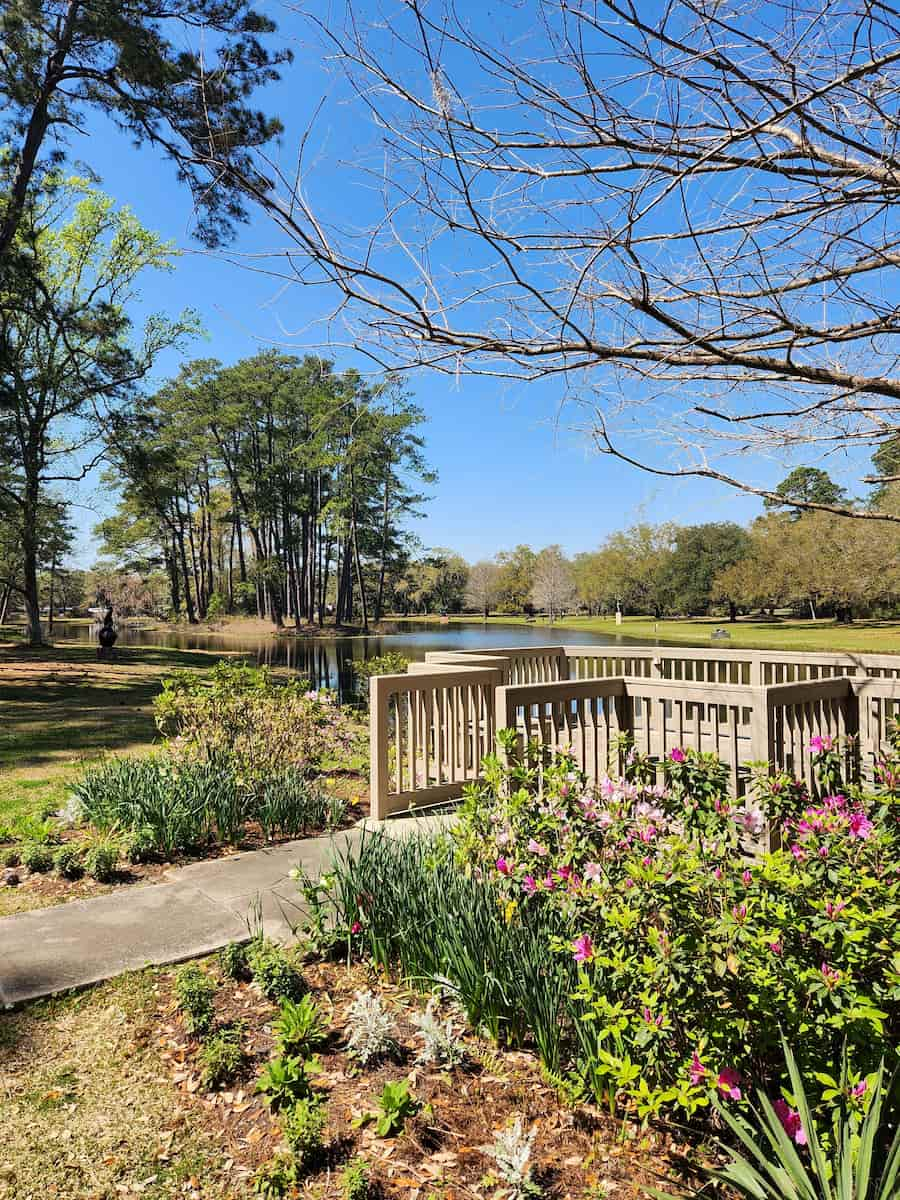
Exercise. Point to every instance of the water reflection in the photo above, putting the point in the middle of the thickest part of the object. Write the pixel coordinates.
(327, 661)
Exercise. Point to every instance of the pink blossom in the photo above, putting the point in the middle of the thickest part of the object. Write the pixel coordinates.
(650, 1019)
(718, 873)
(356, 927)
(646, 861)
(698, 1071)
(549, 881)
(776, 948)
(832, 910)
(739, 912)
(859, 1089)
(564, 789)
(593, 872)
(536, 848)
(563, 872)
(860, 825)
(503, 866)
(583, 948)
(728, 1083)
(529, 885)
(818, 745)
(799, 854)
(676, 754)
(747, 878)
(790, 1119)
(830, 975)
(628, 883)
(648, 834)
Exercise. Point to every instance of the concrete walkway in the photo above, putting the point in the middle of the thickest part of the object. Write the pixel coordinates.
(200, 908)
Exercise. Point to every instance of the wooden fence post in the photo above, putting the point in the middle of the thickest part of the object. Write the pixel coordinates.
(379, 745)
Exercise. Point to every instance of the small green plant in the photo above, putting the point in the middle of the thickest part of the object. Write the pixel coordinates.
(67, 862)
(101, 861)
(233, 961)
(276, 1178)
(36, 857)
(303, 1126)
(285, 1080)
(222, 1056)
(10, 857)
(396, 1105)
(299, 1028)
(138, 845)
(370, 1029)
(273, 972)
(355, 1179)
(194, 991)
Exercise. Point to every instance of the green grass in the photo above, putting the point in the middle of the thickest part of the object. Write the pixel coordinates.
(873, 637)
(60, 709)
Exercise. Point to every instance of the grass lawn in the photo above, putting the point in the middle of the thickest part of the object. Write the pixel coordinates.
(873, 637)
(60, 708)
(88, 1112)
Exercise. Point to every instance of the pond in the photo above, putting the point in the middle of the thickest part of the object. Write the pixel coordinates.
(326, 661)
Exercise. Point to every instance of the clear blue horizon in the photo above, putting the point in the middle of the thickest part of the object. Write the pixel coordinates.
(510, 468)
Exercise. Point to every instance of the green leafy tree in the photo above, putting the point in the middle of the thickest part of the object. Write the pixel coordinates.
(805, 486)
(516, 578)
(67, 362)
(700, 554)
(174, 76)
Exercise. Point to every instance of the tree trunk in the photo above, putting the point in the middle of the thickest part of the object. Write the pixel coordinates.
(4, 603)
(359, 575)
(30, 554)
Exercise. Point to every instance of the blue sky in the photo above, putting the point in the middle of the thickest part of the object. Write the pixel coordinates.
(509, 471)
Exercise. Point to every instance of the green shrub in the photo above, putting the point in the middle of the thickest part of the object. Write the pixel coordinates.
(194, 991)
(260, 725)
(274, 973)
(355, 1180)
(284, 1080)
(233, 961)
(222, 1056)
(299, 1028)
(36, 857)
(303, 1126)
(276, 1178)
(101, 860)
(396, 1105)
(67, 862)
(10, 857)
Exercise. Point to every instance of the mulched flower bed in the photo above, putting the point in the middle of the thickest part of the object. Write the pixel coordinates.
(578, 1152)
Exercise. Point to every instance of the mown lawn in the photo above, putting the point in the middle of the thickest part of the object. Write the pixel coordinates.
(60, 708)
(872, 637)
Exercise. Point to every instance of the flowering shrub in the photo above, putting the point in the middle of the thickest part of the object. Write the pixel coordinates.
(691, 958)
(259, 725)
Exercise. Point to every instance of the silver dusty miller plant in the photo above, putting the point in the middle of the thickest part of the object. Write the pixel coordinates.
(440, 1043)
(511, 1152)
(370, 1028)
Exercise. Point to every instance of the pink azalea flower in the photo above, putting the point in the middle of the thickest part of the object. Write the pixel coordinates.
(739, 912)
(830, 975)
(747, 878)
(648, 834)
(536, 848)
(356, 927)
(728, 1083)
(503, 866)
(799, 854)
(859, 1090)
(818, 745)
(646, 860)
(860, 825)
(776, 948)
(529, 885)
(717, 873)
(549, 881)
(790, 1120)
(698, 1071)
(832, 910)
(564, 789)
(503, 837)
(583, 948)
(563, 872)
(676, 754)
(593, 872)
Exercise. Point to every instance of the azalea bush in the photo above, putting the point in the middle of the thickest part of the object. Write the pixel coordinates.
(259, 724)
(693, 958)
(625, 928)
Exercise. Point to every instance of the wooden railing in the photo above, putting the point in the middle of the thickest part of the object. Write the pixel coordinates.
(431, 727)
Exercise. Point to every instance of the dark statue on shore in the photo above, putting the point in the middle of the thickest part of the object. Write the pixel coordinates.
(107, 636)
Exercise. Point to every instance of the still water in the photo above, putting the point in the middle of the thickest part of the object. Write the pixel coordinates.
(327, 661)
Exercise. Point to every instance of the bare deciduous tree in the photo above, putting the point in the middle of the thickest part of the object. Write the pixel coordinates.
(554, 588)
(685, 211)
(483, 586)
